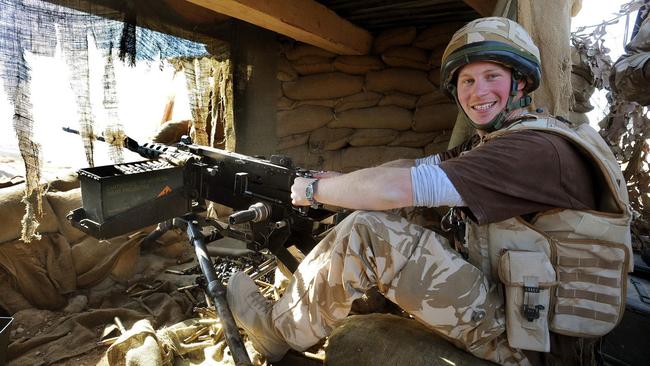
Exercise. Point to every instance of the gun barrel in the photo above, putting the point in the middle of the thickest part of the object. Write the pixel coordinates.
(76, 132)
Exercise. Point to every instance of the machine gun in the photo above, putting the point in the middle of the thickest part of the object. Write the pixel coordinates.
(171, 189)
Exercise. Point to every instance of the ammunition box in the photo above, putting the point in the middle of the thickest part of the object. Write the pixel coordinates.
(123, 197)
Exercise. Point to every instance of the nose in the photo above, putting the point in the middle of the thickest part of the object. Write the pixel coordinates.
(480, 87)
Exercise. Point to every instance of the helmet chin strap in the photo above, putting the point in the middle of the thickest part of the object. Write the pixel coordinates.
(511, 105)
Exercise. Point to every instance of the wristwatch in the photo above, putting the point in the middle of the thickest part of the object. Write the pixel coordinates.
(310, 190)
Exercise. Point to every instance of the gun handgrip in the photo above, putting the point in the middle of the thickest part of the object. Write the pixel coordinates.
(255, 213)
(241, 217)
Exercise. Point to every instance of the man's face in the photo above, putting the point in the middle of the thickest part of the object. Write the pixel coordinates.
(483, 89)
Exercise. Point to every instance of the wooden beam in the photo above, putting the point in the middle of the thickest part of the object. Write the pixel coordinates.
(304, 20)
(485, 8)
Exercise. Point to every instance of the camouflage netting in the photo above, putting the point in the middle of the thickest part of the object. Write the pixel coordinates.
(626, 127)
(41, 28)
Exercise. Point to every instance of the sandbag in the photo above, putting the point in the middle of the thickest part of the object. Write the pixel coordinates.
(434, 76)
(413, 139)
(372, 137)
(94, 259)
(313, 65)
(358, 65)
(285, 71)
(443, 136)
(435, 97)
(42, 270)
(385, 339)
(399, 99)
(10, 180)
(439, 144)
(392, 117)
(125, 265)
(359, 100)
(300, 50)
(11, 300)
(435, 147)
(284, 104)
(354, 158)
(139, 346)
(302, 119)
(323, 86)
(436, 56)
(326, 138)
(12, 211)
(394, 37)
(171, 132)
(293, 140)
(435, 117)
(399, 79)
(63, 183)
(406, 56)
(437, 35)
(329, 103)
(62, 203)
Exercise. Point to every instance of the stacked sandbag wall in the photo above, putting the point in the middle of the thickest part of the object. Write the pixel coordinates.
(349, 112)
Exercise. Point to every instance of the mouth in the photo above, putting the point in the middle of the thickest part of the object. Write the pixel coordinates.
(483, 107)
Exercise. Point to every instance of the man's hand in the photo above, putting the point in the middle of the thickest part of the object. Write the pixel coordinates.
(298, 191)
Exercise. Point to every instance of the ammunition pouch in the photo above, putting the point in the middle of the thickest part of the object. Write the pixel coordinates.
(528, 278)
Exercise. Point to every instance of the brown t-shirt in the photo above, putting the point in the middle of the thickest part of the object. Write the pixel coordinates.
(520, 173)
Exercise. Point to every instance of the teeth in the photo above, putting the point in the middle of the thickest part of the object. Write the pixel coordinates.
(484, 107)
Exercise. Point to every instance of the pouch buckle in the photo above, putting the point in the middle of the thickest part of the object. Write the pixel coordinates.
(531, 306)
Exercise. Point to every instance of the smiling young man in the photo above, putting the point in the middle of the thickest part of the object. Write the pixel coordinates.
(523, 184)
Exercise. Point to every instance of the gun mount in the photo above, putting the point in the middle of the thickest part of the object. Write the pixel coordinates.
(171, 189)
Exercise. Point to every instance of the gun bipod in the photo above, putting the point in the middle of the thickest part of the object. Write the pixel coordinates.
(214, 288)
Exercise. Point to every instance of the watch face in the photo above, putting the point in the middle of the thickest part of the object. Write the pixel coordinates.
(309, 191)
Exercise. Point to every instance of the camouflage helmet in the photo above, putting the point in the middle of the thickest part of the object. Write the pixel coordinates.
(492, 39)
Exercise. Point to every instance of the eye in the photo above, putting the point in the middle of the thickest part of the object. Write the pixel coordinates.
(493, 76)
(466, 81)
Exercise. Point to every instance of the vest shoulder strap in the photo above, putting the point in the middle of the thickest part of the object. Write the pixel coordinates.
(588, 140)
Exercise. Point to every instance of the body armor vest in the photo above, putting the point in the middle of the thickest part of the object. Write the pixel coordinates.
(565, 270)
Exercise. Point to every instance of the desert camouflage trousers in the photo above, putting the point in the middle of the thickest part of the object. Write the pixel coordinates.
(413, 267)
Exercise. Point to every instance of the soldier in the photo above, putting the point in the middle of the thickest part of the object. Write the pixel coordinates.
(547, 244)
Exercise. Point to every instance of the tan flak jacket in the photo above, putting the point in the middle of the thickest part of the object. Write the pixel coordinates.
(566, 270)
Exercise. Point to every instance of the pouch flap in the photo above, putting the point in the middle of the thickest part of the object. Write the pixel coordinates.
(515, 267)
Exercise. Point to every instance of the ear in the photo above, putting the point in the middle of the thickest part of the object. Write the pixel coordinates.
(521, 84)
